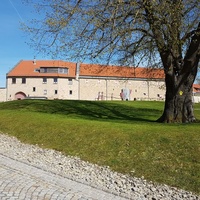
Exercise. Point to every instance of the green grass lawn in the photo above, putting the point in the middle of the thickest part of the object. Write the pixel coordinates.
(122, 135)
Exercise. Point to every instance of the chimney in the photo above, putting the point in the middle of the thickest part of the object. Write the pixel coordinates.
(34, 61)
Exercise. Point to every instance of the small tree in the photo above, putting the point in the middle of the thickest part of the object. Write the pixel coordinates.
(159, 32)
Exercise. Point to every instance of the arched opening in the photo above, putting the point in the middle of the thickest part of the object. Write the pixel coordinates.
(20, 96)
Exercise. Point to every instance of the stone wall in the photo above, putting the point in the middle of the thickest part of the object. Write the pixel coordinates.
(86, 88)
(2, 94)
(110, 89)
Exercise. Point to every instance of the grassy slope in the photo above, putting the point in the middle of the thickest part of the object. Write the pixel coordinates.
(122, 135)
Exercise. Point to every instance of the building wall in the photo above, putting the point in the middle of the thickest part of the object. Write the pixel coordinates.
(67, 89)
(35, 87)
(90, 89)
(196, 99)
(2, 94)
(85, 89)
(104, 89)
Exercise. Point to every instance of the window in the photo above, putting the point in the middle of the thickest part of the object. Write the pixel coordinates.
(43, 70)
(60, 70)
(56, 91)
(70, 81)
(23, 80)
(52, 70)
(70, 92)
(13, 80)
(34, 89)
(63, 70)
(45, 80)
(55, 80)
(45, 92)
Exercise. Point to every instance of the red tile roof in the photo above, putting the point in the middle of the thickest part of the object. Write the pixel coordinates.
(118, 71)
(196, 87)
(27, 69)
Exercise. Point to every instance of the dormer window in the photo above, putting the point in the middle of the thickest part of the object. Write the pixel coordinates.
(43, 70)
(63, 70)
(59, 70)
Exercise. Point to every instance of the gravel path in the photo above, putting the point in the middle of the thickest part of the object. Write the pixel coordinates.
(93, 175)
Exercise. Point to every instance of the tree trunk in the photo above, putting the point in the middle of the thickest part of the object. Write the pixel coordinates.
(179, 93)
(178, 103)
(179, 78)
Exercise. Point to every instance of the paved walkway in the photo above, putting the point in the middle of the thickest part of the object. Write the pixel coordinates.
(20, 181)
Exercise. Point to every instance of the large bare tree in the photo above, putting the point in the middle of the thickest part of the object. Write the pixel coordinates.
(153, 32)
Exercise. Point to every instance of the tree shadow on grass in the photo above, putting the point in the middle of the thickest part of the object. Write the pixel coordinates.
(91, 110)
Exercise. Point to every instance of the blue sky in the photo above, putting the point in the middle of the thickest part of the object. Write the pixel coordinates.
(13, 47)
